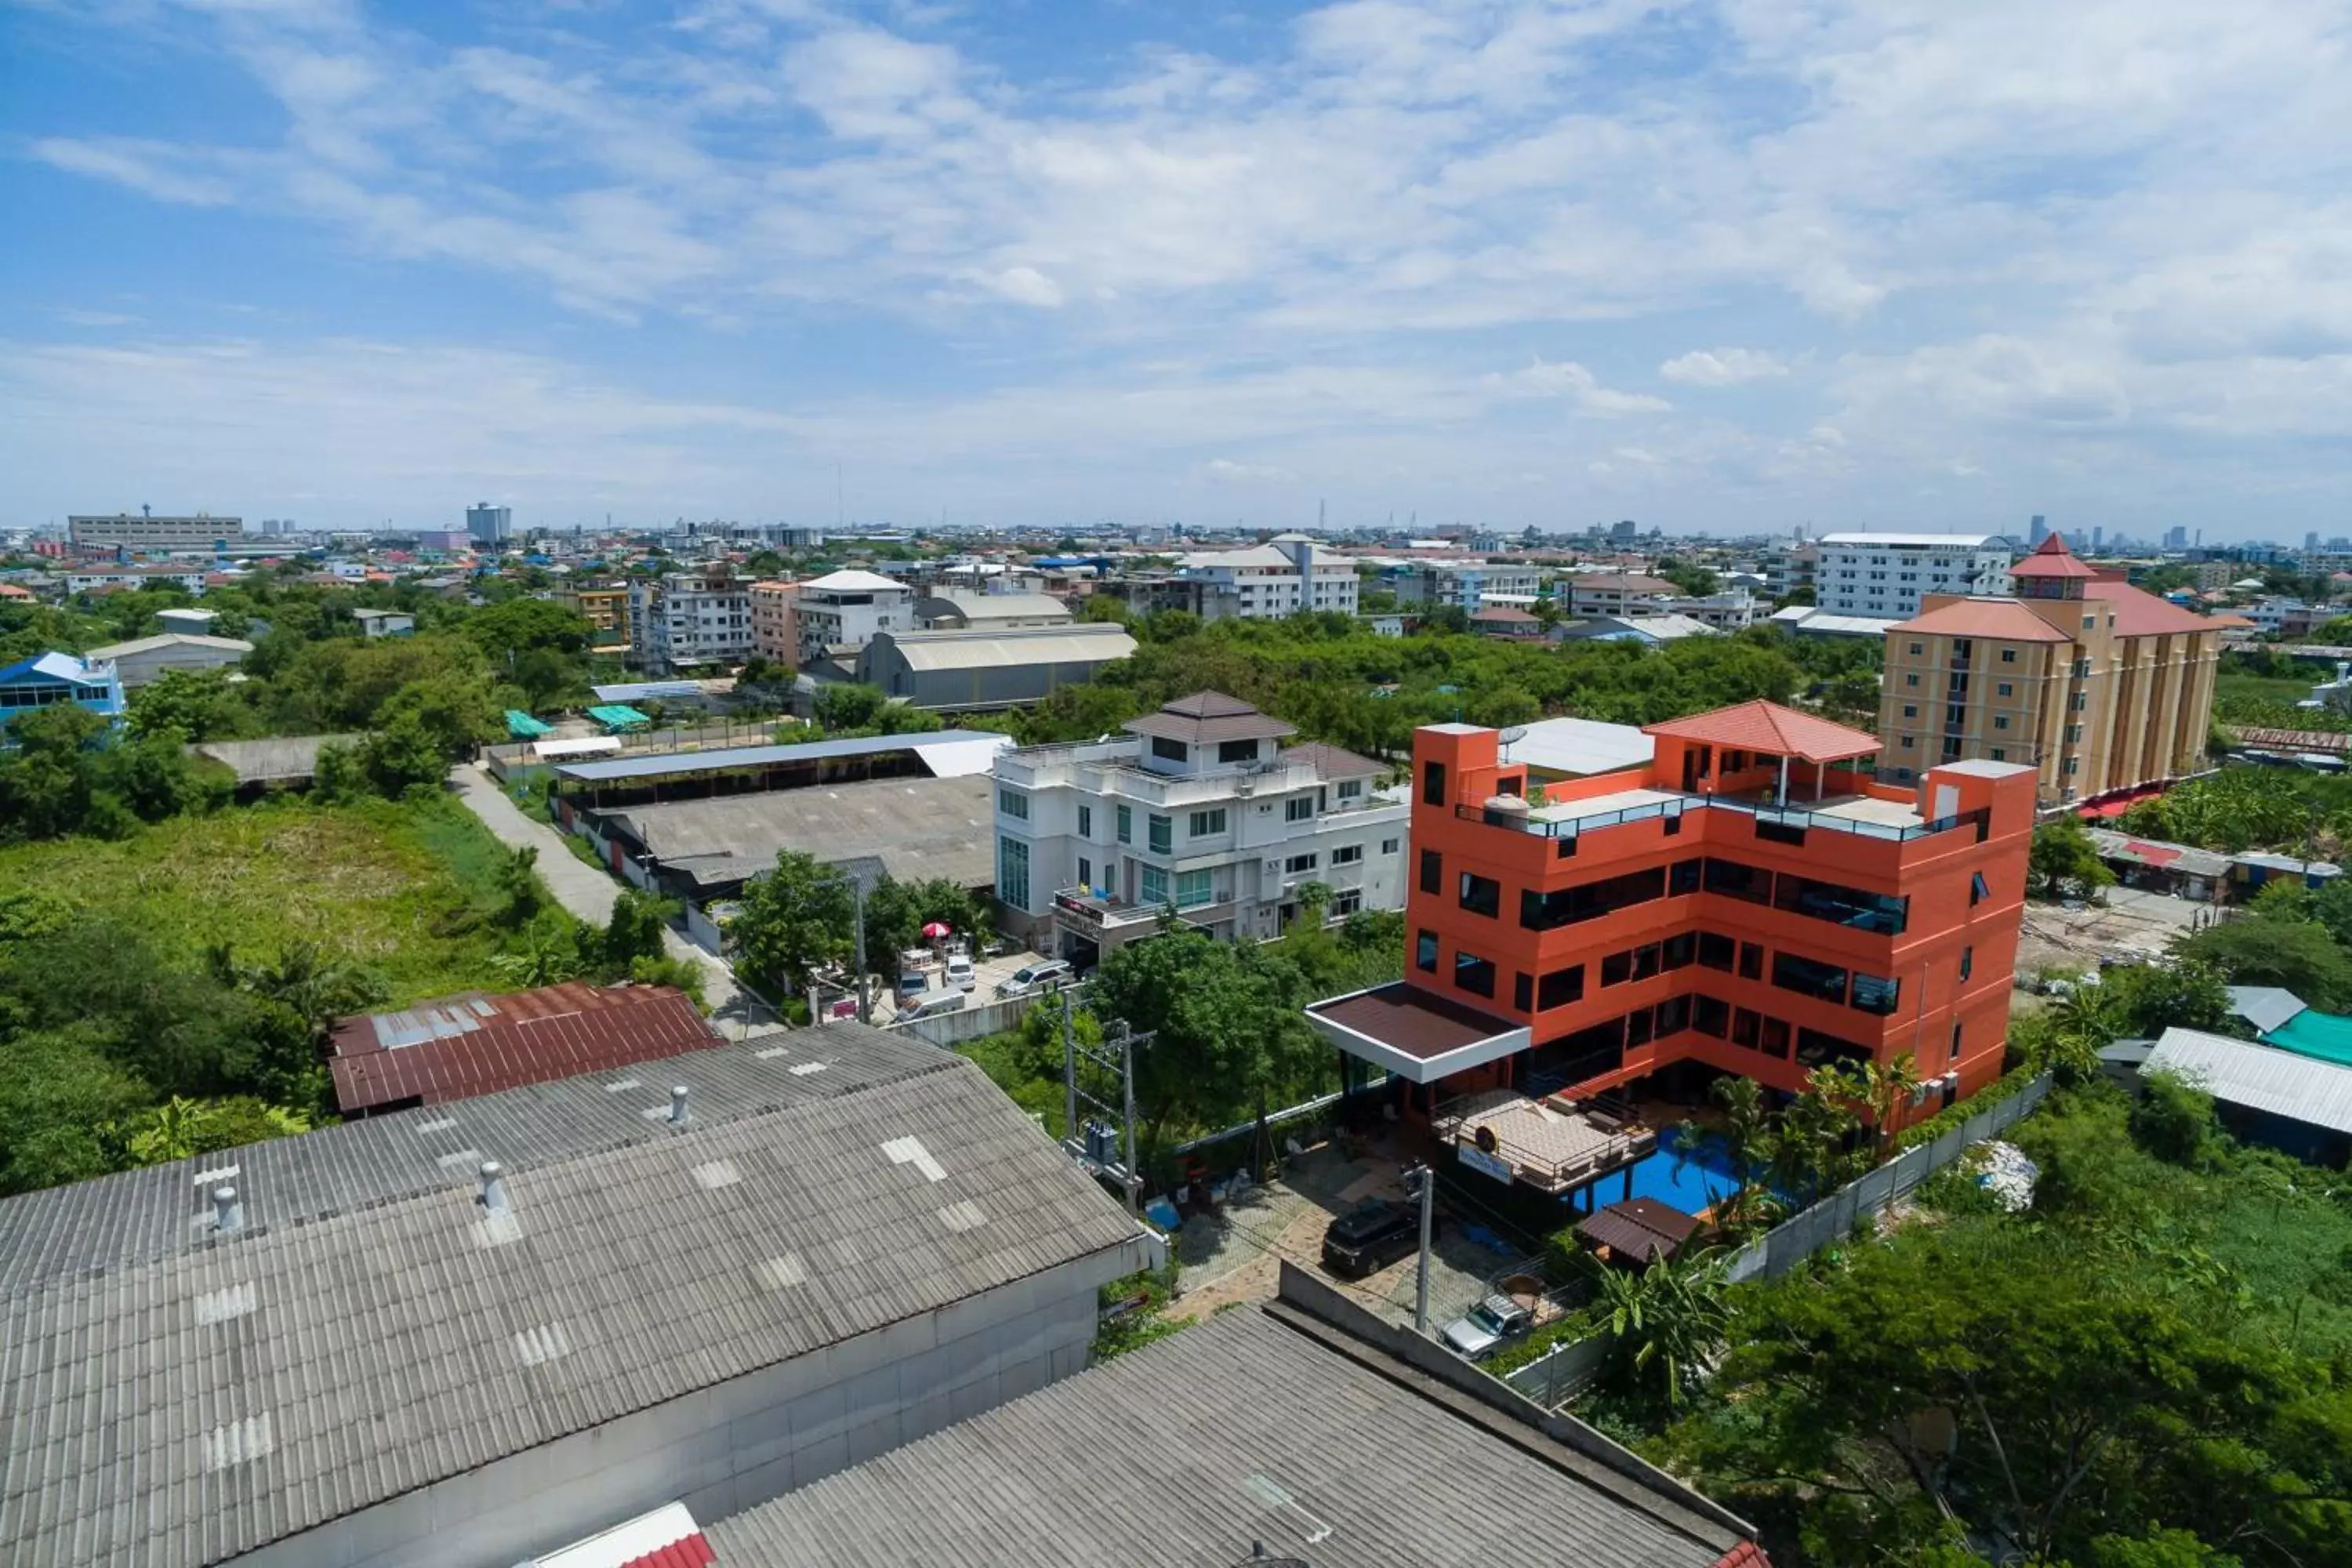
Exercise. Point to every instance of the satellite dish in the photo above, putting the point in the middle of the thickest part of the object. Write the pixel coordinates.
(1512, 737)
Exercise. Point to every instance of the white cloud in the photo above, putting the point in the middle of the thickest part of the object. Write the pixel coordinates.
(139, 166)
(1722, 367)
(1226, 471)
(1568, 379)
(1025, 286)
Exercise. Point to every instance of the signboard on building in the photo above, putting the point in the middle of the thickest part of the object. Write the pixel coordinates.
(1494, 1165)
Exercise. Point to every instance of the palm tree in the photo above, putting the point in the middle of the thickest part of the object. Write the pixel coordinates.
(1747, 1144)
(1885, 1087)
(1667, 1320)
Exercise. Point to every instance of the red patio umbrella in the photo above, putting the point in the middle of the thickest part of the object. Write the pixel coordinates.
(939, 927)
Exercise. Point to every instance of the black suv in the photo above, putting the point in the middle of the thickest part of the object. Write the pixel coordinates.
(1372, 1235)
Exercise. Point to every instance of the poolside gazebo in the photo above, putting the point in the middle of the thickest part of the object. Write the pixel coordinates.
(1735, 748)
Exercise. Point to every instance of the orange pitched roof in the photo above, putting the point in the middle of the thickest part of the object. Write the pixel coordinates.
(1761, 726)
(2051, 558)
(2142, 614)
(2003, 620)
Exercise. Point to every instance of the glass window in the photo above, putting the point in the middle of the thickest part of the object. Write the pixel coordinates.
(1297, 863)
(1432, 783)
(1391, 846)
(1191, 889)
(1351, 789)
(1013, 804)
(1882, 913)
(1751, 961)
(1734, 880)
(1085, 821)
(1967, 962)
(1154, 883)
(1641, 1026)
(1126, 825)
(1775, 1040)
(1673, 1015)
(1523, 992)
(1085, 872)
(1874, 995)
(1590, 900)
(1645, 961)
(1472, 973)
(1676, 951)
(1746, 1025)
(1206, 823)
(1683, 877)
(1425, 952)
(1347, 853)
(1170, 751)
(1481, 895)
(1433, 872)
(1237, 751)
(1714, 951)
(1808, 977)
(1977, 892)
(1617, 968)
(1560, 987)
(1710, 1017)
(1956, 1044)
(1012, 871)
(1298, 809)
(1160, 833)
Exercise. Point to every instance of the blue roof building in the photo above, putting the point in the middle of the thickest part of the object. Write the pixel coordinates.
(48, 679)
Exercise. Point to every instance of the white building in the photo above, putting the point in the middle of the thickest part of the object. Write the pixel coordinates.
(143, 659)
(689, 619)
(124, 531)
(1882, 575)
(1197, 807)
(1287, 574)
(1467, 585)
(844, 609)
(191, 578)
(1619, 594)
(1728, 610)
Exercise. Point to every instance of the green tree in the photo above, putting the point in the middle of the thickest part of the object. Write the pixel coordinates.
(793, 921)
(846, 708)
(2064, 862)
(1667, 1320)
(636, 929)
(192, 705)
(2257, 950)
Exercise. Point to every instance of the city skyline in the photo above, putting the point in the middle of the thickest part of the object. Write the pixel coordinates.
(1731, 268)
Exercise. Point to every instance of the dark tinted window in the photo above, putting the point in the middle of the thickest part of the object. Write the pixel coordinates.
(1640, 1027)
(1523, 992)
(1744, 1027)
(1237, 751)
(1684, 877)
(1173, 750)
(1673, 1015)
(1779, 832)
(1751, 961)
(1425, 950)
(1677, 949)
(1590, 900)
(1473, 975)
(1560, 987)
(1714, 951)
(1481, 895)
(1878, 912)
(1874, 995)
(1645, 961)
(1710, 1017)
(1432, 783)
(1617, 968)
(1433, 872)
(1734, 880)
(1808, 977)
(1776, 1038)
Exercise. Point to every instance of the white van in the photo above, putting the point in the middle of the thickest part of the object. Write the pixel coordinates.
(930, 1005)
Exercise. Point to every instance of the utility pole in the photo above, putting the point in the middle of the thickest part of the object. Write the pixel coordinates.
(857, 964)
(1422, 1182)
(1069, 1069)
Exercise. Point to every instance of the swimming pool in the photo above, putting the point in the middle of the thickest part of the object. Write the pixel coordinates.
(1691, 1185)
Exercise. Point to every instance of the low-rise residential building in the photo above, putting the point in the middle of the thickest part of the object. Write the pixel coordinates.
(1287, 574)
(689, 620)
(1466, 586)
(94, 579)
(384, 623)
(1885, 575)
(1508, 623)
(990, 667)
(1196, 807)
(1789, 568)
(1619, 594)
(2095, 685)
(1729, 611)
(1652, 628)
(1746, 904)
(48, 679)
(775, 621)
(843, 610)
(142, 660)
(605, 607)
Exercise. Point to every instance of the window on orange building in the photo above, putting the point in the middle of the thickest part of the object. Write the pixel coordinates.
(1432, 783)
(1746, 1025)
(1808, 976)
(1433, 872)
(1716, 951)
(1645, 961)
(1710, 1015)
(1776, 1038)
(1673, 1015)
(1873, 993)
(1523, 991)
(1481, 895)
(1616, 969)
(1683, 877)
(1676, 951)
(1425, 950)
(1734, 880)
(1474, 973)
(1560, 987)
(1640, 1027)
(1968, 962)
(1956, 1044)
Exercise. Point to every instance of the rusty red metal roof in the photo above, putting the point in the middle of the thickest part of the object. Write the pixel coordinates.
(471, 1045)
(1746, 1554)
(689, 1552)
(1761, 726)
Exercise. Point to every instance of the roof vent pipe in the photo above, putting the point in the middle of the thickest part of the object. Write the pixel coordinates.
(226, 1213)
(494, 1187)
(677, 1106)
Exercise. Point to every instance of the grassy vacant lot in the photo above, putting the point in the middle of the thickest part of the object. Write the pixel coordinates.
(392, 885)
(2265, 688)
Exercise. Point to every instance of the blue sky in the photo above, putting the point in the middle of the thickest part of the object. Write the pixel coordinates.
(1736, 265)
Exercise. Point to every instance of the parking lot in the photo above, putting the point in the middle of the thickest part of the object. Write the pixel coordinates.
(1235, 1254)
(990, 971)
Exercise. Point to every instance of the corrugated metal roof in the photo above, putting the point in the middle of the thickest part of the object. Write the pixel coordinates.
(2266, 1008)
(115, 650)
(464, 1046)
(670, 763)
(1010, 647)
(1242, 1429)
(919, 828)
(175, 1397)
(2259, 1077)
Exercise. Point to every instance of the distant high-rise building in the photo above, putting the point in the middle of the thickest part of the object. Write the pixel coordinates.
(2310, 539)
(488, 524)
(2098, 538)
(1881, 576)
(2175, 537)
(2038, 530)
(1625, 533)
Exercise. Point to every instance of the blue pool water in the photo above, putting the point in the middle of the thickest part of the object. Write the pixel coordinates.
(1690, 1185)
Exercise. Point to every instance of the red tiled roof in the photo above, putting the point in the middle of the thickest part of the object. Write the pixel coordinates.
(1746, 1554)
(2142, 614)
(1761, 726)
(528, 1036)
(687, 1552)
(2000, 620)
(1507, 613)
(2051, 558)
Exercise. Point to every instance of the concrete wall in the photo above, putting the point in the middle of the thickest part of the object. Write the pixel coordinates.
(727, 1448)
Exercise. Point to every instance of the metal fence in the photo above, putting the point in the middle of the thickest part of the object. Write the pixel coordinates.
(1569, 1369)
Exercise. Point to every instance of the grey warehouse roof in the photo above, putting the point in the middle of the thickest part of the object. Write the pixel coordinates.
(2266, 1008)
(174, 1397)
(1256, 1426)
(666, 762)
(1010, 647)
(919, 828)
(2282, 1083)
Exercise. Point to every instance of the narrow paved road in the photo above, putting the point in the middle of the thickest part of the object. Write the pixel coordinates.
(589, 893)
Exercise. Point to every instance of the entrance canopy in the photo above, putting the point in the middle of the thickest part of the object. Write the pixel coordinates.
(1417, 1034)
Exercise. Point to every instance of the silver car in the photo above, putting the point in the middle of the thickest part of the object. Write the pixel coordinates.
(1485, 1327)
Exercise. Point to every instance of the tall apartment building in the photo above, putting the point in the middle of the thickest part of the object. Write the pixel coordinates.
(145, 532)
(844, 609)
(1287, 574)
(775, 624)
(1885, 575)
(1197, 805)
(1791, 567)
(488, 524)
(2095, 685)
(689, 620)
(1745, 904)
(1467, 585)
(605, 607)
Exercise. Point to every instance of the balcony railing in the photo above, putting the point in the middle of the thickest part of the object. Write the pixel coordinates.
(1783, 816)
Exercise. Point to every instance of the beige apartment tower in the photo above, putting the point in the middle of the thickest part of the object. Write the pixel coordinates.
(2100, 685)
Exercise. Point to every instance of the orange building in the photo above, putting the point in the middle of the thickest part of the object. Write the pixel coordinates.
(1747, 905)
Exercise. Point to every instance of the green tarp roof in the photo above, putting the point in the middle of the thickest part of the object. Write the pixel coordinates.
(2323, 1036)
(613, 716)
(523, 727)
